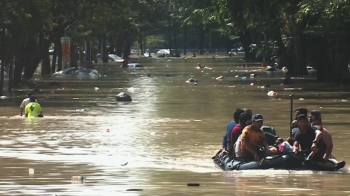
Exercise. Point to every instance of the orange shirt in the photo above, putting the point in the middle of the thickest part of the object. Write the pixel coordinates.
(255, 138)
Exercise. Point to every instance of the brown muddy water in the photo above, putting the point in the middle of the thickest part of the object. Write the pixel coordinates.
(164, 139)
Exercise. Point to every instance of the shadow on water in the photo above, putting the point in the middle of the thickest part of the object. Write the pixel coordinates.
(162, 140)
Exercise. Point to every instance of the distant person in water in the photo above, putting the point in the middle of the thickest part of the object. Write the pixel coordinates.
(125, 63)
(25, 103)
(200, 66)
(287, 80)
(33, 109)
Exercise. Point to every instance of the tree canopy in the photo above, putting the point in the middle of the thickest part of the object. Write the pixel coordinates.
(297, 32)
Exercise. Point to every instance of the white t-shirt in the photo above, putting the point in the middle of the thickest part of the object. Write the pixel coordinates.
(238, 147)
(24, 103)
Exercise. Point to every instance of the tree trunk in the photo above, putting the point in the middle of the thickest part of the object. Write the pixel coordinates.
(324, 71)
(10, 84)
(73, 53)
(2, 71)
(185, 39)
(81, 56)
(2, 55)
(246, 40)
(59, 54)
(140, 42)
(169, 34)
(201, 39)
(19, 65)
(298, 39)
(127, 48)
(341, 70)
(34, 55)
(54, 57)
(104, 53)
(119, 45)
(45, 63)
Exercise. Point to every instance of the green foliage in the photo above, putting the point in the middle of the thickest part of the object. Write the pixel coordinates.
(154, 41)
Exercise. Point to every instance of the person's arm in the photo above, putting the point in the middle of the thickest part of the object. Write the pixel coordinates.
(266, 146)
(22, 108)
(26, 111)
(40, 110)
(329, 149)
(296, 146)
(224, 142)
(316, 140)
(233, 138)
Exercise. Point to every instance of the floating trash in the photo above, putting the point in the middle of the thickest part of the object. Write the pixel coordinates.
(271, 94)
(31, 171)
(79, 110)
(193, 184)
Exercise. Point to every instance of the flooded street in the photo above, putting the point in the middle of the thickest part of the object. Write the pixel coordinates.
(162, 140)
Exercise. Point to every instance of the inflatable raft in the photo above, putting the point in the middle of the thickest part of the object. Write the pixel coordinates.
(288, 161)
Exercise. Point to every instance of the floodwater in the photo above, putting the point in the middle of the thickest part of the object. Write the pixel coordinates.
(164, 139)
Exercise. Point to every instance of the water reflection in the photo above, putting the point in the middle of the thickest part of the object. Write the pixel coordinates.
(161, 141)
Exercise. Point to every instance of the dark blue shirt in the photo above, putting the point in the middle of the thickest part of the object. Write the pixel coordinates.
(226, 141)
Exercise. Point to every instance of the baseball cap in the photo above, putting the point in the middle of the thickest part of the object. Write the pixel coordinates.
(257, 117)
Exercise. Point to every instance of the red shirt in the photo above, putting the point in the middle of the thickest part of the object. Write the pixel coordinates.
(235, 133)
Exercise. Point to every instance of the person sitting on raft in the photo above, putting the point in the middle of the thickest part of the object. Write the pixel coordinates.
(237, 130)
(252, 139)
(294, 125)
(304, 138)
(226, 141)
(323, 145)
(281, 146)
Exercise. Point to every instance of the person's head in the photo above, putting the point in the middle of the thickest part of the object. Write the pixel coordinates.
(29, 94)
(299, 111)
(294, 124)
(248, 111)
(32, 99)
(257, 121)
(236, 115)
(244, 118)
(316, 120)
(302, 122)
(279, 140)
(314, 113)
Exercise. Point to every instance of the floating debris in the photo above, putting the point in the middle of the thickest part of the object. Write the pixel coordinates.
(193, 184)
(31, 171)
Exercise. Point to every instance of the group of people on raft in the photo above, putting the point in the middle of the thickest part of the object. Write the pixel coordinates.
(245, 139)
